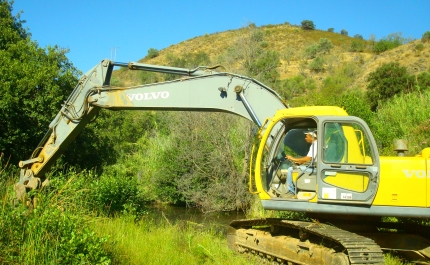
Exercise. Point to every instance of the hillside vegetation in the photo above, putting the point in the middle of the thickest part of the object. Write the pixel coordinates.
(290, 42)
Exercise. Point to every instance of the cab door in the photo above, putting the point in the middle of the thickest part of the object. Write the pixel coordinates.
(347, 162)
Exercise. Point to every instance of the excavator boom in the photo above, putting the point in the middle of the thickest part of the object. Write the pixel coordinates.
(201, 89)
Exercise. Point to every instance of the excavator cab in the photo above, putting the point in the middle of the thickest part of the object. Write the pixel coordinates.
(345, 169)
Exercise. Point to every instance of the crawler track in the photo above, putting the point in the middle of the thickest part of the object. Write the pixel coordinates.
(298, 242)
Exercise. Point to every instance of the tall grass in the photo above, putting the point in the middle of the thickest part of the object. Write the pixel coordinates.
(55, 231)
(63, 228)
(404, 117)
(148, 242)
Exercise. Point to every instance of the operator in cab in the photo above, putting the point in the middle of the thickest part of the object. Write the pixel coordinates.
(310, 138)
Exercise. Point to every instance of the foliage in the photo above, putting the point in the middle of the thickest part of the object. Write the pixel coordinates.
(423, 81)
(317, 64)
(33, 79)
(392, 41)
(419, 47)
(331, 90)
(344, 32)
(356, 46)
(151, 241)
(113, 194)
(55, 231)
(386, 81)
(152, 53)
(189, 60)
(292, 87)
(426, 37)
(308, 25)
(204, 164)
(311, 51)
(322, 47)
(404, 116)
(264, 67)
(330, 29)
(249, 56)
(355, 104)
(359, 36)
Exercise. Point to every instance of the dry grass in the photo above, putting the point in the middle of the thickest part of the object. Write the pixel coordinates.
(284, 36)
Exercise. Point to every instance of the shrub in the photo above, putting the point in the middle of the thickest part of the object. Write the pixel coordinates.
(356, 105)
(426, 37)
(113, 194)
(423, 81)
(356, 46)
(308, 25)
(388, 80)
(292, 87)
(344, 32)
(392, 41)
(419, 47)
(403, 117)
(358, 36)
(324, 45)
(311, 51)
(317, 64)
(56, 231)
(330, 30)
(152, 53)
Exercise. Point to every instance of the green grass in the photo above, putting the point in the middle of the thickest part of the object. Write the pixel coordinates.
(148, 242)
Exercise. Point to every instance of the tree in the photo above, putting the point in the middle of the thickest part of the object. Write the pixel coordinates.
(330, 30)
(344, 32)
(308, 25)
(388, 80)
(34, 83)
(358, 36)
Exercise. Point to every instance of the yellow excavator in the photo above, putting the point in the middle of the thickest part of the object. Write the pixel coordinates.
(344, 189)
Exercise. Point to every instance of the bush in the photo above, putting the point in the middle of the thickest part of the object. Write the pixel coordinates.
(324, 45)
(112, 194)
(308, 25)
(330, 30)
(152, 53)
(388, 80)
(403, 117)
(423, 81)
(358, 36)
(56, 231)
(344, 32)
(392, 41)
(419, 47)
(317, 64)
(292, 87)
(356, 46)
(426, 37)
(356, 105)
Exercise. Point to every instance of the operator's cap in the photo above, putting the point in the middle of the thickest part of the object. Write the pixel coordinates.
(312, 133)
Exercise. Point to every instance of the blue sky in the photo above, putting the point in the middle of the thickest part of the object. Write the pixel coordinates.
(96, 29)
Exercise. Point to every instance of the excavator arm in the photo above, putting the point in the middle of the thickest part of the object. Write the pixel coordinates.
(201, 89)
